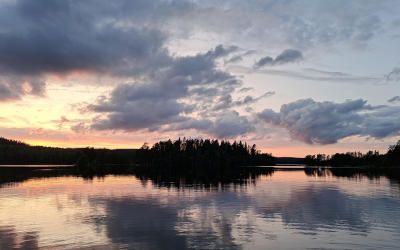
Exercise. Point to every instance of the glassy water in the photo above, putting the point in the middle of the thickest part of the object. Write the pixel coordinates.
(276, 210)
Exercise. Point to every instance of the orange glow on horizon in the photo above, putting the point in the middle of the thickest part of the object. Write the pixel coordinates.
(95, 143)
(302, 151)
(71, 140)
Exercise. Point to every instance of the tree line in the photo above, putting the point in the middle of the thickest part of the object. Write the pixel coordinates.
(370, 159)
(181, 153)
(202, 153)
(16, 152)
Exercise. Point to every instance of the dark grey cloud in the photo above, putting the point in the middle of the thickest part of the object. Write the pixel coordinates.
(231, 124)
(221, 51)
(327, 122)
(80, 127)
(13, 87)
(313, 75)
(225, 102)
(59, 36)
(127, 38)
(62, 36)
(298, 23)
(383, 122)
(239, 57)
(394, 99)
(357, 23)
(246, 89)
(393, 76)
(228, 124)
(269, 61)
(327, 73)
(172, 96)
(6, 92)
(234, 59)
(247, 100)
(287, 56)
(44, 37)
(134, 114)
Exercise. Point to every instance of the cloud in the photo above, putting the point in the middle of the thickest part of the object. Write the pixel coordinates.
(327, 122)
(383, 122)
(63, 36)
(14, 87)
(287, 56)
(7, 93)
(394, 99)
(247, 100)
(234, 59)
(59, 37)
(393, 76)
(221, 51)
(128, 39)
(327, 73)
(313, 75)
(278, 23)
(228, 124)
(130, 114)
(239, 57)
(357, 25)
(133, 42)
(231, 124)
(173, 95)
(246, 89)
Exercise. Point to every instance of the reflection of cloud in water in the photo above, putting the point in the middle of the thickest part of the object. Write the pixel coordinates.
(203, 222)
(278, 212)
(230, 219)
(142, 223)
(10, 239)
(211, 221)
(326, 208)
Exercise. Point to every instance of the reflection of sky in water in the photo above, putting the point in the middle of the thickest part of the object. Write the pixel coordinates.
(287, 210)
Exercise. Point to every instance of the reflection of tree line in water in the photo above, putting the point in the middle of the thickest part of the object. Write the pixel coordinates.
(174, 163)
(241, 176)
(392, 174)
(167, 177)
(10, 238)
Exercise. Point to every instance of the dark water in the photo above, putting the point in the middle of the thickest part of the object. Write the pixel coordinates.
(297, 209)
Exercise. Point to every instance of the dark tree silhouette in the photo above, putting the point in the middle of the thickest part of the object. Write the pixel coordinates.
(352, 159)
(181, 154)
(14, 152)
(200, 153)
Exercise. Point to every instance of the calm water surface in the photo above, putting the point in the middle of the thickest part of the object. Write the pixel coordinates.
(281, 210)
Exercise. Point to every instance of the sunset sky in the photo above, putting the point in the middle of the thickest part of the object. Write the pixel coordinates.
(294, 77)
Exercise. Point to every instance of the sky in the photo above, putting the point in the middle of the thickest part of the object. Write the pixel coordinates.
(295, 77)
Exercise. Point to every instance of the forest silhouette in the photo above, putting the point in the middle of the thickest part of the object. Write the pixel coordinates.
(181, 155)
(371, 159)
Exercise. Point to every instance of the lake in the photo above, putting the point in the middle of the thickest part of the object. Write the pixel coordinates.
(272, 209)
